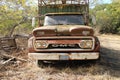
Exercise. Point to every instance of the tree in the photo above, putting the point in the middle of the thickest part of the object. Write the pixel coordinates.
(108, 17)
(118, 1)
(12, 12)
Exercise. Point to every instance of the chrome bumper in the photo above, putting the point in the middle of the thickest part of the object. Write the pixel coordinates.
(64, 56)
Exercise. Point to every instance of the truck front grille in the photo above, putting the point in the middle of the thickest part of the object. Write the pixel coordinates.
(63, 46)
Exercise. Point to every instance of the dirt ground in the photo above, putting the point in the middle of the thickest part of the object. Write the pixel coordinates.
(107, 69)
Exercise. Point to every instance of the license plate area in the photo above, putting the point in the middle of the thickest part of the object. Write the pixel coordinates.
(64, 57)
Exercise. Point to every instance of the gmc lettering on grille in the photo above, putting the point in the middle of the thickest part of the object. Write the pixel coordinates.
(63, 45)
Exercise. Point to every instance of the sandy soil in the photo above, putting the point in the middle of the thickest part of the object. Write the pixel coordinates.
(107, 69)
(110, 50)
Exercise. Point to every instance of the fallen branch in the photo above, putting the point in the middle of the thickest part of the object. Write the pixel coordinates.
(20, 59)
(15, 57)
(4, 54)
(5, 62)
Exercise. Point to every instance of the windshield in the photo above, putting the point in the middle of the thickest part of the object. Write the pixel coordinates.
(64, 20)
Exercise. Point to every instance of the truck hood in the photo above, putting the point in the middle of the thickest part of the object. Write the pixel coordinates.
(63, 30)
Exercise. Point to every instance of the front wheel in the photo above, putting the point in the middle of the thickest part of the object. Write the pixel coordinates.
(40, 63)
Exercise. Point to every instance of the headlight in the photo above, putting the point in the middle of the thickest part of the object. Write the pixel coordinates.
(41, 44)
(85, 32)
(86, 44)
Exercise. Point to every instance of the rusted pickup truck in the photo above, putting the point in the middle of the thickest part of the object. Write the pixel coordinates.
(65, 35)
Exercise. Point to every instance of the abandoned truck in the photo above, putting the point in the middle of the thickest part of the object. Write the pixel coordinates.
(63, 32)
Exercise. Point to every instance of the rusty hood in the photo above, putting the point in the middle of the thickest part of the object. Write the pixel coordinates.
(63, 30)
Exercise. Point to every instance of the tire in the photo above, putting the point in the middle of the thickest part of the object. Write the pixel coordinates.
(40, 63)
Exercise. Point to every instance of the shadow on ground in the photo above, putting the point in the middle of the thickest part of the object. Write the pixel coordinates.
(109, 63)
(110, 58)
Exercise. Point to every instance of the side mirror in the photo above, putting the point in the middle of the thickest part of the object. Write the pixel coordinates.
(33, 22)
(93, 20)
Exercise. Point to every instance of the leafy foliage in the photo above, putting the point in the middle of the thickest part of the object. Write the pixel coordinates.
(12, 12)
(108, 17)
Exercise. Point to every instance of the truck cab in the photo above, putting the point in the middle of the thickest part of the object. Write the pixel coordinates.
(64, 34)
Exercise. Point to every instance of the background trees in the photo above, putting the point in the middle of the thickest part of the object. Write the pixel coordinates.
(108, 17)
(16, 14)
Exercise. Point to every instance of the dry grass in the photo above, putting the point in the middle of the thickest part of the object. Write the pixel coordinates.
(29, 71)
(65, 71)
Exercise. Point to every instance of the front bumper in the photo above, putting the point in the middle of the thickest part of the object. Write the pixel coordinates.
(64, 56)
